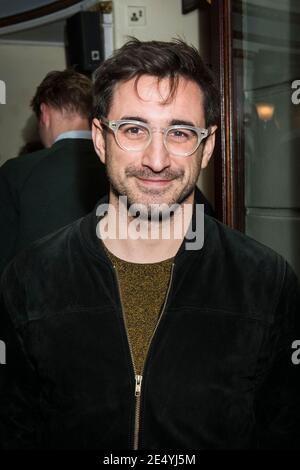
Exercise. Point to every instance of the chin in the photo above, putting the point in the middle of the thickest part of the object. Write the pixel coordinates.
(169, 196)
(152, 201)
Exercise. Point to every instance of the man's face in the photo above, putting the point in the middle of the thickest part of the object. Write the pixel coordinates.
(153, 176)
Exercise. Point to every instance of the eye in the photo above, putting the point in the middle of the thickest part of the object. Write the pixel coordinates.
(133, 131)
(181, 135)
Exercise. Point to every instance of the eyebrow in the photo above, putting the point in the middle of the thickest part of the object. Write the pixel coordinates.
(174, 122)
(134, 118)
(180, 122)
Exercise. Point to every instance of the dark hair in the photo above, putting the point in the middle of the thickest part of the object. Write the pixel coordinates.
(65, 90)
(160, 59)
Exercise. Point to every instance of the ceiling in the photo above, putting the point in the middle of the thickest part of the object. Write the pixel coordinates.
(24, 18)
(14, 7)
(20, 11)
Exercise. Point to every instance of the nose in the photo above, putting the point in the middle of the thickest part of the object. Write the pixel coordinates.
(156, 155)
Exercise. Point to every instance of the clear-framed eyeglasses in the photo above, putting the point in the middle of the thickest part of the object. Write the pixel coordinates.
(135, 136)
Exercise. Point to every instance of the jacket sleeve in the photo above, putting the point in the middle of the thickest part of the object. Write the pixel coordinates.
(20, 418)
(9, 220)
(277, 403)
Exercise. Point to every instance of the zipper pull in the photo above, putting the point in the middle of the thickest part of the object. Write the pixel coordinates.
(138, 385)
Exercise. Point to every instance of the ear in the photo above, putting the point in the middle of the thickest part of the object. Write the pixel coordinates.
(208, 147)
(45, 115)
(98, 139)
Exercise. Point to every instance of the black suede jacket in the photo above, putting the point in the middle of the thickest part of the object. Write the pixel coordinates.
(219, 371)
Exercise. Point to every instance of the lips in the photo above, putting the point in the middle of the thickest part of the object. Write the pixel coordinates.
(155, 181)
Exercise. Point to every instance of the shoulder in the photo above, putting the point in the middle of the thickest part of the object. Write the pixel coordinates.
(73, 152)
(24, 160)
(17, 169)
(40, 272)
(237, 245)
(72, 145)
(50, 249)
(248, 276)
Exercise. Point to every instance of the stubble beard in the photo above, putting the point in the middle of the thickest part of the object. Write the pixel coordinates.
(149, 209)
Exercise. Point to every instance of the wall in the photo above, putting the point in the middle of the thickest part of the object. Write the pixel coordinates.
(22, 67)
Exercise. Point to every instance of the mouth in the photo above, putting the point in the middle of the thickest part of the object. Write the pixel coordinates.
(155, 181)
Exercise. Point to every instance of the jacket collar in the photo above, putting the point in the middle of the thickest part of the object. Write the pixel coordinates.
(74, 135)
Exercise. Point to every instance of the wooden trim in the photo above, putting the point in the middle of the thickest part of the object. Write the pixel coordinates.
(229, 163)
(215, 61)
(226, 91)
(37, 12)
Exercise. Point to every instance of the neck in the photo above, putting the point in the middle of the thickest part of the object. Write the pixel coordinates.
(66, 125)
(139, 240)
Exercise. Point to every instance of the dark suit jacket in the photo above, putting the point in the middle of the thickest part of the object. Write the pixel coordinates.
(45, 190)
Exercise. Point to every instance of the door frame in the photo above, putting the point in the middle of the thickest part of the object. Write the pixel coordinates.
(229, 153)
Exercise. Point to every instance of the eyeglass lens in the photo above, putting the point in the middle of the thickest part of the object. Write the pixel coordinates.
(179, 141)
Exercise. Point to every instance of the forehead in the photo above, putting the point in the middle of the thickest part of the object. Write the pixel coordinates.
(148, 96)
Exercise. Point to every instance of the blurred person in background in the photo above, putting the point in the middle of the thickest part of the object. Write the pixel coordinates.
(47, 189)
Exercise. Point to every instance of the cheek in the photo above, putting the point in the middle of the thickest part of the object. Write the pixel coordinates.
(197, 162)
(112, 166)
(116, 162)
(192, 168)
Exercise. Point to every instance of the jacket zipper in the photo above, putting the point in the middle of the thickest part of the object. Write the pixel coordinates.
(139, 378)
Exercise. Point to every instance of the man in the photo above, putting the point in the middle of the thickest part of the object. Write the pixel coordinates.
(144, 342)
(45, 190)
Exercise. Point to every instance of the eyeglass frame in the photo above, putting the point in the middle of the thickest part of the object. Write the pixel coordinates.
(114, 125)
